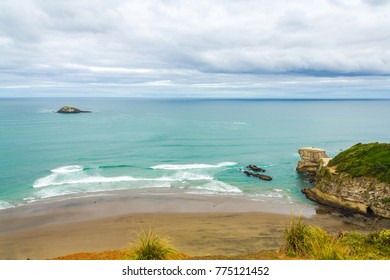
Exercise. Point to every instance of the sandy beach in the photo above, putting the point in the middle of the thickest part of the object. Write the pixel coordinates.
(199, 225)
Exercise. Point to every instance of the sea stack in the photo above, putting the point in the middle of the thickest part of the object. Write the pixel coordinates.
(71, 110)
(310, 158)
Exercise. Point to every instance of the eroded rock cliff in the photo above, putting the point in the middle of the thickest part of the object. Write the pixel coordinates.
(362, 185)
(310, 158)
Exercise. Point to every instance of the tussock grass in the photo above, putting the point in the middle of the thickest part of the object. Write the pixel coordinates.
(310, 242)
(150, 246)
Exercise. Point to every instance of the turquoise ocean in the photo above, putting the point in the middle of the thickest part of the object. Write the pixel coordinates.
(191, 146)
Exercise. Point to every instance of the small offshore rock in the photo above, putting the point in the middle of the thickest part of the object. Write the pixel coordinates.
(260, 176)
(255, 168)
(71, 110)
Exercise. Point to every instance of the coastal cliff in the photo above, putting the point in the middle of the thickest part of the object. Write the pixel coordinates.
(358, 179)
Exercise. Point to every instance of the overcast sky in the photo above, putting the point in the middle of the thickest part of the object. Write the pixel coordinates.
(172, 48)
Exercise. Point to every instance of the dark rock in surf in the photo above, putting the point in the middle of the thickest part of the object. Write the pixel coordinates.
(255, 168)
(260, 176)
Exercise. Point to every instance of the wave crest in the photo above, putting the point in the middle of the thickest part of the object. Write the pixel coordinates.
(67, 169)
(192, 166)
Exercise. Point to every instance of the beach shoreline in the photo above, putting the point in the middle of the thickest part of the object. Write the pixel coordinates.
(199, 225)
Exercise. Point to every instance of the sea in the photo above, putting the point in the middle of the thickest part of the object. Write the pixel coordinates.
(192, 146)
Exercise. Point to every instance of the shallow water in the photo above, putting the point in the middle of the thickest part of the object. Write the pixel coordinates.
(195, 146)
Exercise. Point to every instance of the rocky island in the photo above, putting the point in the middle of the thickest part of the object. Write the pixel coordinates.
(357, 179)
(71, 110)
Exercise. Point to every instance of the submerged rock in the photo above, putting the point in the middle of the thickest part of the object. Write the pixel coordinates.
(71, 110)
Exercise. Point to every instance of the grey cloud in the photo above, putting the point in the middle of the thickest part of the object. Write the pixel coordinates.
(189, 42)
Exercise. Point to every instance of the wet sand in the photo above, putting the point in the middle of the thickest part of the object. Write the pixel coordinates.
(199, 225)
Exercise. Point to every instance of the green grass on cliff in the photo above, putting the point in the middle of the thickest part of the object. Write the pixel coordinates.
(370, 160)
(305, 241)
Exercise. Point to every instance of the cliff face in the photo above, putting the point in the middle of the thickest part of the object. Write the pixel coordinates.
(364, 194)
(310, 158)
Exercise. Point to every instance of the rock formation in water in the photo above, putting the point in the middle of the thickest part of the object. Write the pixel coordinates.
(255, 168)
(357, 179)
(310, 157)
(260, 176)
(71, 110)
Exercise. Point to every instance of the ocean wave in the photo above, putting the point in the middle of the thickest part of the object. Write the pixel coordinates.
(216, 186)
(67, 169)
(191, 166)
(73, 179)
(52, 181)
(58, 179)
(5, 205)
(108, 166)
(240, 123)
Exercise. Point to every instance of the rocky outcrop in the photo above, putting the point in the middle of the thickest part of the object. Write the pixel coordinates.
(71, 110)
(253, 173)
(310, 158)
(340, 190)
(255, 168)
(260, 176)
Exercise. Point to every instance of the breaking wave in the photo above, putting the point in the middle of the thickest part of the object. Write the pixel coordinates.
(5, 205)
(78, 179)
(192, 166)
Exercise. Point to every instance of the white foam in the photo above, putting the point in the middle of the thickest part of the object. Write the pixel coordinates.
(5, 205)
(73, 179)
(56, 180)
(185, 175)
(218, 187)
(240, 123)
(191, 166)
(67, 169)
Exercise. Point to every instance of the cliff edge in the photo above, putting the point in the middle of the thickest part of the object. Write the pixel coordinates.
(357, 179)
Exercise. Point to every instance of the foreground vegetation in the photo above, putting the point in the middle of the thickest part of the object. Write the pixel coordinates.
(310, 242)
(302, 241)
(150, 246)
(370, 160)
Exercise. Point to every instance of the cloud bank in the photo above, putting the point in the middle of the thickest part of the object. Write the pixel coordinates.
(222, 48)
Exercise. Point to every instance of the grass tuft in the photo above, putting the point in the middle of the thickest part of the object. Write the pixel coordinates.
(150, 246)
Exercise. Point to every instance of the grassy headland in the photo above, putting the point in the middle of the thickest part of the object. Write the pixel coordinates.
(370, 160)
